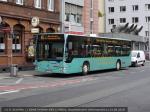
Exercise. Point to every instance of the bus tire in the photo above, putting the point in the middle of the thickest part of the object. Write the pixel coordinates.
(118, 65)
(85, 68)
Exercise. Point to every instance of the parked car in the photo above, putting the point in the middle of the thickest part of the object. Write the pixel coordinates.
(137, 57)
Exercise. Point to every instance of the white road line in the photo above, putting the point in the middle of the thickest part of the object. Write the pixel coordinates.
(4, 78)
(142, 70)
(8, 92)
(1, 78)
(18, 81)
(28, 75)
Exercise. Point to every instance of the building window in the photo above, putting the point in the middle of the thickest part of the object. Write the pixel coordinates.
(51, 5)
(91, 4)
(91, 9)
(111, 21)
(20, 2)
(147, 6)
(147, 19)
(111, 9)
(135, 20)
(122, 20)
(37, 3)
(147, 33)
(91, 27)
(111, 0)
(91, 13)
(2, 43)
(122, 8)
(4, 0)
(73, 13)
(67, 16)
(79, 18)
(135, 7)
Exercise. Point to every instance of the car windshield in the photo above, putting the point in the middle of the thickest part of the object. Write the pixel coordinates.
(134, 54)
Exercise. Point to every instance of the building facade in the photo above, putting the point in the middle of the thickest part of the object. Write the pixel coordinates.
(101, 15)
(128, 11)
(91, 16)
(79, 16)
(134, 12)
(72, 16)
(15, 27)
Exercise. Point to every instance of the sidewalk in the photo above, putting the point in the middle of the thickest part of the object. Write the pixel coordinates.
(19, 74)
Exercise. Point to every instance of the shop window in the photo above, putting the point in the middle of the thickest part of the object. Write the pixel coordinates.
(16, 43)
(2, 43)
(17, 39)
(50, 30)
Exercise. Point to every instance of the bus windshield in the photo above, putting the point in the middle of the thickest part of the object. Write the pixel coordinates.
(50, 47)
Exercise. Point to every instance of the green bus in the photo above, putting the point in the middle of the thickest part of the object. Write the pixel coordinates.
(67, 53)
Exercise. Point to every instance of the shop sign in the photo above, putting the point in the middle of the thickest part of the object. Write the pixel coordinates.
(35, 21)
(35, 30)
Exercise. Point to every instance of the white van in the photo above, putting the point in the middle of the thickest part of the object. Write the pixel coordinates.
(137, 57)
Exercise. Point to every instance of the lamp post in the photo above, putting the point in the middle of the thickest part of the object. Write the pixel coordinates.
(0, 19)
(148, 40)
(62, 15)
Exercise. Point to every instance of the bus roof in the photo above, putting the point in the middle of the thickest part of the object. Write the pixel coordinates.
(85, 36)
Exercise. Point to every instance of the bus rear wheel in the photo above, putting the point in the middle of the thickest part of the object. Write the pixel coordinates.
(118, 65)
(85, 69)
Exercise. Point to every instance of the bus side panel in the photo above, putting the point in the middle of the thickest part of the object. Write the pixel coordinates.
(102, 63)
(75, 66)
(125, 61)
(99, 63)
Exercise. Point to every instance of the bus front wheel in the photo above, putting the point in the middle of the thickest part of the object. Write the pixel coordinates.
(85, 69)
(118, 65)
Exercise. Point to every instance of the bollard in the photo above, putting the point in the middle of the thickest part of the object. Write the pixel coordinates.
(14, 70)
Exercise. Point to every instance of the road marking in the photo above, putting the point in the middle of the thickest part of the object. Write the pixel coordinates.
(18, 81)
(142, 70)
(44, 85)
(8, 92)
(84, 99)
(28, 75)
(5, 78)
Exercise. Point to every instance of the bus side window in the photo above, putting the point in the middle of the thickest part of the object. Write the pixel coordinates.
(118, 50)
(82, 51)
